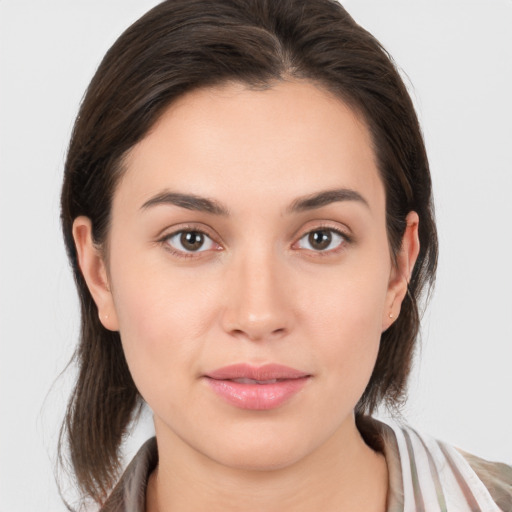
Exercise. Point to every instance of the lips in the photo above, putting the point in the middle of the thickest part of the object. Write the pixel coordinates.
(257, 388)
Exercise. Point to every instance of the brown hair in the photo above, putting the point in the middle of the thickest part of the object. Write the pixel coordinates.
(185, 44)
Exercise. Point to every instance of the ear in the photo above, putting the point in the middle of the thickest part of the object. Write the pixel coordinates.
(94, 270)
(401, 272)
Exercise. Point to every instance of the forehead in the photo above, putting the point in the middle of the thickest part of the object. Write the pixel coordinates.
(286, 141)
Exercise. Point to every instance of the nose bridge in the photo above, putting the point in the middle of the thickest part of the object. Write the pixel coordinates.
(257, 307)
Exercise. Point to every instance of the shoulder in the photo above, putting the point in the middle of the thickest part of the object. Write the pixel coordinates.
(460, 480)
(497, 478)
(428, 474)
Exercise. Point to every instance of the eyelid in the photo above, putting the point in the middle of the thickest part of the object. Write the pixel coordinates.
(324, 226)
(172, 231)
(319, 224)
(309, 228)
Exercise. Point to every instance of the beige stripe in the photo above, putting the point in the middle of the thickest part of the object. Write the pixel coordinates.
(435, 475)
(464, 487)
(418, 496)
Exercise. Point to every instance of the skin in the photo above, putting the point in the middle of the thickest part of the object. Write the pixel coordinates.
(258, 292)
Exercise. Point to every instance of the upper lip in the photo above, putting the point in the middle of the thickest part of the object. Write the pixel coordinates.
(259, 373)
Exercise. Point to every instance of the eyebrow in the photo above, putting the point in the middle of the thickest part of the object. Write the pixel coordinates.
(326, 197)
(187, 201)
(203, 204)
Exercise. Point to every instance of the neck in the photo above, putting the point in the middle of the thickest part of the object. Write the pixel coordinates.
(342, 474)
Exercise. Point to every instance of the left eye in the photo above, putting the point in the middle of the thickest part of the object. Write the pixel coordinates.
(190, 241)
(321, 240)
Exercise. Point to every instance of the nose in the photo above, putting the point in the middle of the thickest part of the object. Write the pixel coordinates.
(257, 299)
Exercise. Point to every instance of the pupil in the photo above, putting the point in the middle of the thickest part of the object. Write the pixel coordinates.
(192, 240)
(320, 239)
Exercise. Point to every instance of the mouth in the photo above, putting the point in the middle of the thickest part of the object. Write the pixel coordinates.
(257, 388)
(253, 381)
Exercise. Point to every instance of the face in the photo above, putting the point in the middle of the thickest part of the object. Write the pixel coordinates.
(249, 272)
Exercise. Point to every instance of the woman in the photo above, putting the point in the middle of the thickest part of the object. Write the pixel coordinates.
(247, 208)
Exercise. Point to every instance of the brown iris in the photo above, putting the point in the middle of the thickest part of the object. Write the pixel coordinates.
(192, 240)
(320, 240)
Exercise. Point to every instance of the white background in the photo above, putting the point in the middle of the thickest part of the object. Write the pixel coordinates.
(458, 57)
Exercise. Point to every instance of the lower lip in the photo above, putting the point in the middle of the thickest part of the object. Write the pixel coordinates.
(258, 397)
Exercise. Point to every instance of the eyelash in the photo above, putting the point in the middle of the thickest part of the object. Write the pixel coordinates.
(165, 241)
(345, 240)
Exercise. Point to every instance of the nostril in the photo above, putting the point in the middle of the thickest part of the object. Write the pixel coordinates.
(261, 316)
(255, 334)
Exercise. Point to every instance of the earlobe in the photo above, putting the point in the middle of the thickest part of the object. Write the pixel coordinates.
(94, 270)
(402, 271)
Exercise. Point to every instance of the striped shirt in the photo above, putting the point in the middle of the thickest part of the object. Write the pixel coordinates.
(425, 475)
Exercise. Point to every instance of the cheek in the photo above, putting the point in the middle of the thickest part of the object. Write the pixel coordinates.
(350, 302)
(346, 320)
(162, 320)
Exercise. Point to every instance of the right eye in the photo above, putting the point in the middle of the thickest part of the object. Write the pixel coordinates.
(190, 241)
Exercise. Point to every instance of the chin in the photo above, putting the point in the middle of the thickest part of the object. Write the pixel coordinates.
(263, 449)
(261, 458)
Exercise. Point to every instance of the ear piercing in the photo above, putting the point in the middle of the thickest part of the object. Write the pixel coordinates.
(390, 315)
